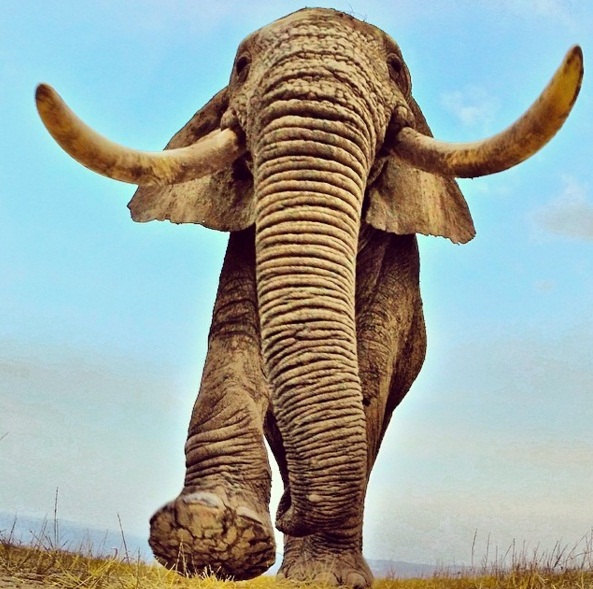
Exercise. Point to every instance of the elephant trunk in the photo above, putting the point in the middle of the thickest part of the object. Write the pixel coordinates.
(309, 182)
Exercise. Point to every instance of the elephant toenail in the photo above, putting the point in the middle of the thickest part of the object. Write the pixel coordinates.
(209, 499)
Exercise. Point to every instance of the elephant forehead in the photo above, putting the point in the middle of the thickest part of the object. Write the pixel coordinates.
(321, 22)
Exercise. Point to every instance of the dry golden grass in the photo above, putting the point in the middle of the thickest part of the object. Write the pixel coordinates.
(48, 563)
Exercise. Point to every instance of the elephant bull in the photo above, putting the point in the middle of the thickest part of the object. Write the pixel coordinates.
(318, 161)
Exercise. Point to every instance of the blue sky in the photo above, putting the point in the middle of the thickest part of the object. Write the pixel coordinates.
(104, 321)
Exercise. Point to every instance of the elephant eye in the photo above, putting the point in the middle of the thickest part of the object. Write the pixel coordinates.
(398, 72)
(395, 64)
(242, 67)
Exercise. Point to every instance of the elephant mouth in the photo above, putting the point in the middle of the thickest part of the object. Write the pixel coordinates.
(221, 148)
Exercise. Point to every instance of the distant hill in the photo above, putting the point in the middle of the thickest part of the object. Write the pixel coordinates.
(75, 536)
(393, 569)
(399, 569)
(72, 536)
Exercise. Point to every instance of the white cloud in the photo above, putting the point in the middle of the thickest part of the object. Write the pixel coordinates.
(561, 11)
(570, 214)
(472, 106)
(545, 285)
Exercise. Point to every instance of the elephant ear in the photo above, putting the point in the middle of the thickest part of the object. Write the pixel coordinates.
(404, 199)
(222, 201)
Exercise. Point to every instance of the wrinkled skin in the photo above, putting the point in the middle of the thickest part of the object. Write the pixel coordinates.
(317, 332)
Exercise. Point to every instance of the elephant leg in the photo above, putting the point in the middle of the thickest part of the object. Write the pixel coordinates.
(391, 348)
(220, 522)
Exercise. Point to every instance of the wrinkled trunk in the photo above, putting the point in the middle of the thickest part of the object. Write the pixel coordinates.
(309, 180)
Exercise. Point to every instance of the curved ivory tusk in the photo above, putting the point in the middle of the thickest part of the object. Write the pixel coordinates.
(510, 147)
(212, 153)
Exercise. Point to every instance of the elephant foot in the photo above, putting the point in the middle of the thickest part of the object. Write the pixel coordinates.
(315, 559)
(214, 531)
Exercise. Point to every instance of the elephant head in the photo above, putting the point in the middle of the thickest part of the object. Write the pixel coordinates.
(317, 130)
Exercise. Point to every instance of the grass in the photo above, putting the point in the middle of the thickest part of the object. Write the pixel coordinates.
(49, 562)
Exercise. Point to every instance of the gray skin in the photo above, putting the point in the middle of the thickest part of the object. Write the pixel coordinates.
(317, 331)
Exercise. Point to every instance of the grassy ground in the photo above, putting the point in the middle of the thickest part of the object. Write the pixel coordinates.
(48, 563)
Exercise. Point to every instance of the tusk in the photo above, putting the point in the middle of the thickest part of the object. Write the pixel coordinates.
(212, 153)
(510, 147)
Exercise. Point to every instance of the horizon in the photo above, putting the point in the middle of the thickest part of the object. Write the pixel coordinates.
(52, 531)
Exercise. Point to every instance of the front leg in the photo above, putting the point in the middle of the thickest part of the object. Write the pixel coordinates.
(220, 522)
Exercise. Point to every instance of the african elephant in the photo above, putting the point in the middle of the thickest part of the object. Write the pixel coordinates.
(318, 161)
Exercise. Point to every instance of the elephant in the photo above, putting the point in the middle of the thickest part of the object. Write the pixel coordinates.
(321, 166)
